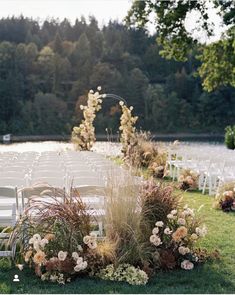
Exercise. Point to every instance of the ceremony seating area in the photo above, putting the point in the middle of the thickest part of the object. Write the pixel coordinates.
(214, 166)
(28, 174)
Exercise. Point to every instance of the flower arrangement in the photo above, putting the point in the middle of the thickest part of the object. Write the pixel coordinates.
(225, 198)
(175, 239)
(146, 154)
(127, 128)
(52, 264)
(83, 136)
(145, 231)
(188, 179)
(125, 273)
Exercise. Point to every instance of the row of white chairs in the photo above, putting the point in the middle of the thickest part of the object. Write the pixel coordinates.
(213, 166)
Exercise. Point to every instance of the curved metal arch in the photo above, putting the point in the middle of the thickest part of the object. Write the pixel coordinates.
(117, 97)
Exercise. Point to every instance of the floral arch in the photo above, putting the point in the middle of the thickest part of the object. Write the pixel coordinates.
(83, 136)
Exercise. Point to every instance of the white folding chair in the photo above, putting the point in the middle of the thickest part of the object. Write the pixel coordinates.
(13, 182)
(9, 206)
(94, 198)
(56, 182)
(215, 170)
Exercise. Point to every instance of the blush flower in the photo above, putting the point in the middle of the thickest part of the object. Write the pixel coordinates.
(155, 231)
(39, 258)
(167, 231)
(159, 223)
(155, 240)
(183, 250)
(187, 265)
(62, 255)
(181, 221)
(180, 233)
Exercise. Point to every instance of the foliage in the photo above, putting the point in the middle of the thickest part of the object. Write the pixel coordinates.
(229, 137)
(84, 136)
(218, 63)
(188, 179)
(177, 41)
(170, 17)
(125, 273)
(225, 198)
(46, 68)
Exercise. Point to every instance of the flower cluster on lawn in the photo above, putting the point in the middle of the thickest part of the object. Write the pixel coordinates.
(188, 179)
(144, 153)
(55, 266)
(144, 231)
(175, 239)
(225, 198)
(83, 136)
(125, 273)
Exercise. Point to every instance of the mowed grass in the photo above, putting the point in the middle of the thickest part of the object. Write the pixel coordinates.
(216, 276)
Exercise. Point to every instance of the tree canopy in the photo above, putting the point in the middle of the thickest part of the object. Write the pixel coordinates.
(46, 71)
(177, 42)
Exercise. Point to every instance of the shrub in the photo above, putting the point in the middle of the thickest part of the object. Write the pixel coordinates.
(225, 198)
(230, 137)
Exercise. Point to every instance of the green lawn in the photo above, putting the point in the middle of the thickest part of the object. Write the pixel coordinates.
(213, 277)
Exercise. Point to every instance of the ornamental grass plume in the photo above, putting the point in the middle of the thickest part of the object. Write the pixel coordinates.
(122, 219)
(157, 201)
(56, 214)
(83, 136)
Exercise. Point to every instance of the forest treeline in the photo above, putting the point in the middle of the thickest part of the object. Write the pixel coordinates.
(45, 70)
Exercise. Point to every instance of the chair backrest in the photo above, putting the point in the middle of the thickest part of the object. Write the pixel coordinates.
(92, 196)
(38, 191)
(22, 168)
(9, 198)
(87, 181)
(13, 182)
(75, 166)
(9, 192)
(82, 173)
(56, 182)
(47, 173)
(10, 173)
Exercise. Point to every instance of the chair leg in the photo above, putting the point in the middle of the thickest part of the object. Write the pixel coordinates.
(200, 181)
(100, 225)
(204, 185)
